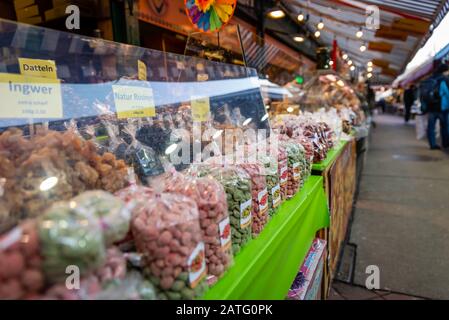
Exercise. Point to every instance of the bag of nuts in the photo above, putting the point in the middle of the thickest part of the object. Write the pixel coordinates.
(237, 185)
(21, 276)
(259, 193)
(294, 166)
(273, 184)
(210, 198)
(168, 234)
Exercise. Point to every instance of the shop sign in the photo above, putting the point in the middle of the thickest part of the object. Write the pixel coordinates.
(38, 68)
(30, 97)
(133, 102)
(200, 108)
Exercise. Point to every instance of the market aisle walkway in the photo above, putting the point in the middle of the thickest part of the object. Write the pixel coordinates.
(401, 221)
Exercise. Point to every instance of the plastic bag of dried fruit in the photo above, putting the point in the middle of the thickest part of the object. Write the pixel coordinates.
(293, 150)
(271, 169)
(70, 235)
(210, 198)
(21, 275)
(237, 185)
(280, 153)
(259, 193)
(167, 232)
(145, 161)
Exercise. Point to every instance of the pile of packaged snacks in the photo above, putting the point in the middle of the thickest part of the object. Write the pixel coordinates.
(168, 233)
(210, 198)
(237, 185)
(273, 186)
(48, 167)
(259, 195)
(21, 274)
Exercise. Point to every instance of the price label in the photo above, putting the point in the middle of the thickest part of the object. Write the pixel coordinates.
(225, 233)
(245, 214)
(263, 201)
(276, 195)
(38, 68)
(200, 108)
(283, 175)
(141, 70)
(296, 171)
(133, 102)
(197, 265)
(30, 97)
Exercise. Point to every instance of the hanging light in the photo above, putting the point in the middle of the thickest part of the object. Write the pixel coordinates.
(320, 25)
(369, 75)
(350, 62)
(345, 56)
(369, 69)
(301, 17)
(363, 47)
(298, 38)
(370, 64)
(359, 33)
(331, 63)
(352, 68)
(317, 34)
(276, 12)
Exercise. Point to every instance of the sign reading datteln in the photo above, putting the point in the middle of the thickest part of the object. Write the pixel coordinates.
(38, 68)
(30, 97)
(133, 102)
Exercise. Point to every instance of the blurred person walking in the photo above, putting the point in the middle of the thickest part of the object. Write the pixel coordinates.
(434, 96)
(409, 99)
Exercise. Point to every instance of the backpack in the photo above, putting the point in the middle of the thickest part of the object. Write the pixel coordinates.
(429, 91)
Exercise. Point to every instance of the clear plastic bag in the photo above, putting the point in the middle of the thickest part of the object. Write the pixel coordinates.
(70, 236)
(210, 198)
(112, 212)
(21, 276)
(237, 185)
(259, 193)
(293, 150)
(167, 232)
(145, 161)
(271, 169)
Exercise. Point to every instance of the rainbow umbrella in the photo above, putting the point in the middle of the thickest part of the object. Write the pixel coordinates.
(210, 15)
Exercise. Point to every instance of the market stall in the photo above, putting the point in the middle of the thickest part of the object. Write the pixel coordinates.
(116, 162)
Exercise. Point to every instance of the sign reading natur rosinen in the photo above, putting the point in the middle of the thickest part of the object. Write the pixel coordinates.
(30, 97)
(38, 68)
(200, 108)
(133, 102)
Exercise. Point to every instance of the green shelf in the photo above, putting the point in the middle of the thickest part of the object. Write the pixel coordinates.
(331, 156)
(267, 265)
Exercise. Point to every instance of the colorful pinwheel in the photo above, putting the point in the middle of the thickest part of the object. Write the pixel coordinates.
(210, 15)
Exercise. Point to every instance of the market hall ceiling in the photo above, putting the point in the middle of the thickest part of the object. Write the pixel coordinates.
(404, 25)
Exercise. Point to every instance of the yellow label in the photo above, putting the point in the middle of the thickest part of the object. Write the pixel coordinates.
(38, 68)
(200, 109)
(142, 70)
(133, 102)
(29, 97)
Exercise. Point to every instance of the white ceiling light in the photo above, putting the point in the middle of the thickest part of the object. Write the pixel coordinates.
(369, 64)
(298, 39)
(352, 68)
(350, 62)
(369, 75)
(359, 33)
(317, 34)
(320, 25)
(331, 63)
(276, 13)
(301, 17)
(345, 56)
(363, 47)
(369, 69)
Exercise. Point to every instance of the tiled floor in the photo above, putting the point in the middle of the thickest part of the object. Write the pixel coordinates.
(343, 291)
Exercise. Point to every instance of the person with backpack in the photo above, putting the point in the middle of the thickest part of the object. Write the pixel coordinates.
(434, 96)
(409, 99)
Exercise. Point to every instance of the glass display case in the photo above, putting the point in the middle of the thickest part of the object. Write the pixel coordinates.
(77, 112)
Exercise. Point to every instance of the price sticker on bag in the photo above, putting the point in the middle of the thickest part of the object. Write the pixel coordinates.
(245, 214)
(225, 233)
(133, 102)
(296, 171)
(263, 201)
(276, 195)
(197, 265)
(283, 175)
